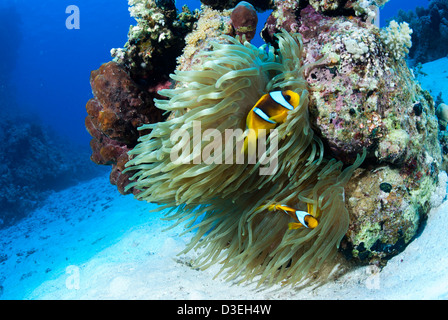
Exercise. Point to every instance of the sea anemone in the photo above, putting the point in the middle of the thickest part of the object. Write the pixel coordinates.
(225, 200)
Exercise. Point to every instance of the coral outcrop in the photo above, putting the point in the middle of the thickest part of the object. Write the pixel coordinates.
(155, 42)
(364, 96)
(430, 26)
(118, 108)
(360, 96)
(34, 161)
(124, 88)
(244, 20)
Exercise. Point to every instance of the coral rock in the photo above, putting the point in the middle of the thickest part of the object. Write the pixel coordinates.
(118, 108)
(154, 43)
(386, 212)
(363, 96)
(244, 20)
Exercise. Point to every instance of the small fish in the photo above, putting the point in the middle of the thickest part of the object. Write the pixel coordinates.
(267, 113)
(304, 219)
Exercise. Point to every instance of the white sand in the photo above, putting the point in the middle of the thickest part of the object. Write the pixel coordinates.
(89, 242)
(436, 79)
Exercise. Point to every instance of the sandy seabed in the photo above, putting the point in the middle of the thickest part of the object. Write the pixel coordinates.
(90, 242)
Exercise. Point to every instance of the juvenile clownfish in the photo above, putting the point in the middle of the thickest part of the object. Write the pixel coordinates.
(304, 219)
(267, 113)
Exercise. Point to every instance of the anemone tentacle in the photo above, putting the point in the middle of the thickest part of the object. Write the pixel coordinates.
(226, 197)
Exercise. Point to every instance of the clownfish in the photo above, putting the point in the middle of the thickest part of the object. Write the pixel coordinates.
(267, 113)
(303, 218)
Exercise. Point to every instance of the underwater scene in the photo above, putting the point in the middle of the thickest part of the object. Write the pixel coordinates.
(223, 150)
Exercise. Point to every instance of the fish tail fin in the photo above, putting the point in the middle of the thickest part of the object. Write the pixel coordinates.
(294, 225)
(310, 209)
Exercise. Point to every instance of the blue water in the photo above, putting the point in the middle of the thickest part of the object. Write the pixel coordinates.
(44, 73)
(52, 67)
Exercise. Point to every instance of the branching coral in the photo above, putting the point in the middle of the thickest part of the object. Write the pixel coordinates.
(398, 38)
(225, 202)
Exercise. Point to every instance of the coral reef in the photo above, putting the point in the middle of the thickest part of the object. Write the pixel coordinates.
(430, 26)
(358, 96)
(229, 197)
(124, 88)
(244, 20)
(155, 42)
(34, 161)
(118, 108)
(364, 96)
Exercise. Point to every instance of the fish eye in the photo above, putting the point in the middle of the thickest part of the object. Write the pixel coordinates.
(287, 97)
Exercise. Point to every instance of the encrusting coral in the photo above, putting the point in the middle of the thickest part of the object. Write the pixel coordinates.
(223, 199)
(118, 108)
(363, 95)
(210, 26)
(155, 42)
(228, 4)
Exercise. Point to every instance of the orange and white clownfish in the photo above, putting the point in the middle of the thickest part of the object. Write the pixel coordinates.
(302, 218)
(267, 113)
